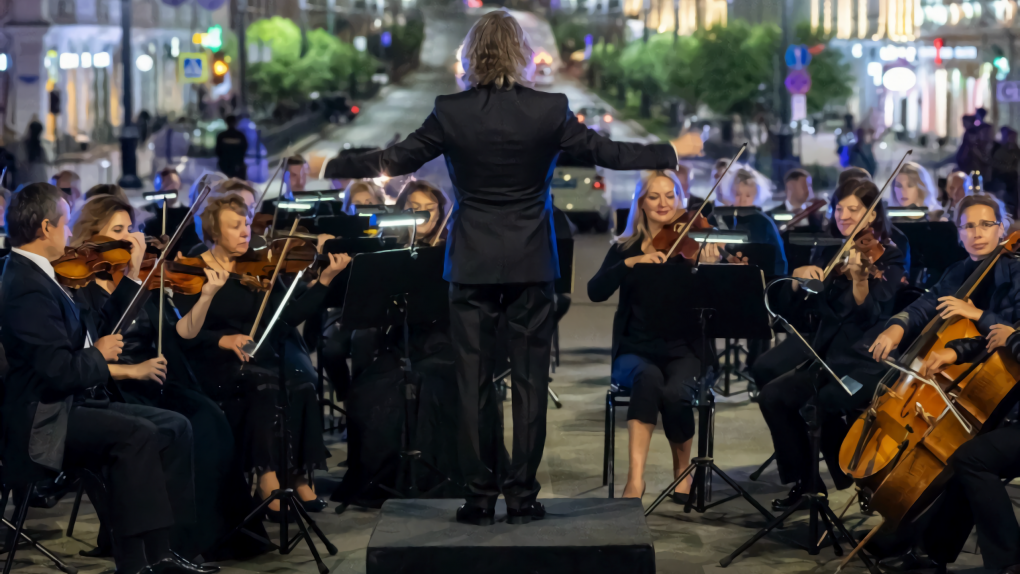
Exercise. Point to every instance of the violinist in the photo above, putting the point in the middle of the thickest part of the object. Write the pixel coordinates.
(976, 494)
(745, 187)
(799, 193)
(362, 192)
(914, 187)
(58, 368)
(222, 499)
(982, 225)
(223, 187)
(958, 186)
(858, 297)
(662, 374)
(420, 195)
(246, 387)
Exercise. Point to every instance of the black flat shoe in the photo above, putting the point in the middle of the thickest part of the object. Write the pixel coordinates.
(781, 504)
(201, 568)
(97, 552)
(314, 505)
(475, 515)
(910, 562)
(525, 514)
(680, 497)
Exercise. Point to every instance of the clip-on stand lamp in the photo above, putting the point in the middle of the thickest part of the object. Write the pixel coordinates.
(818, 506)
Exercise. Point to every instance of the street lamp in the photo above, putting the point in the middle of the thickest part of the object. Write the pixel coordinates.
(129, 131)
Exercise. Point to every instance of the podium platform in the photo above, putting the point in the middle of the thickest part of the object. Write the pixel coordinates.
(578, 535)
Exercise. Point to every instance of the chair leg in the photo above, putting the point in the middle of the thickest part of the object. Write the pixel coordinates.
(74, 509)
(605, 438)
(612, 447)
(20, 513)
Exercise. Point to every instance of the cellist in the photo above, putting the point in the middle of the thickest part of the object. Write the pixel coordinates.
(996, 300)
(976, 494)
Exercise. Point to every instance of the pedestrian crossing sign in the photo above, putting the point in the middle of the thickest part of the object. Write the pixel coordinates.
(193, 68)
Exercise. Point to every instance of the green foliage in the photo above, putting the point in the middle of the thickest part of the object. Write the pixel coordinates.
(290, 77)
(605, 57)
(736, 66)
(570, 32)
(831, 79)
(407, 40)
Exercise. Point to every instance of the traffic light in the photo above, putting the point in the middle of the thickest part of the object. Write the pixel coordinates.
(219, 69)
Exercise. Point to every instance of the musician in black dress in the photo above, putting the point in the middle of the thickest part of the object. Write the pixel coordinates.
(222, 496)
(855, 300)
(662, 373)
(247, 387)
(500, 140)
(745, 187)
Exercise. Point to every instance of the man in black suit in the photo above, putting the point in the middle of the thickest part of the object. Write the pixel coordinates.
(55, 413)
(231, 146)
(500, 141)
(799, 193)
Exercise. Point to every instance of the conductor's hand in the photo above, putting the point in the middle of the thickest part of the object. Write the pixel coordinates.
(337, 263)
(234, 343)
(134, 267)
(111, 346)
(215, 279)
(998, 335)
(689, 144)
(657, 257)
(152, 370)
(885, 343)
(937, 361)
(806, 272)
(323, 238)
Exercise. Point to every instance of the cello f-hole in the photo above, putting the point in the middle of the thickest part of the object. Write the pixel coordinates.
(906, 404)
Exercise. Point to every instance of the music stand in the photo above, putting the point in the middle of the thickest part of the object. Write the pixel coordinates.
(713, 301)
(399, 288)
(341, 225)
(934, 245)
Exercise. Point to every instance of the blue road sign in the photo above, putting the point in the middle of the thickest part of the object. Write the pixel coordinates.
(797, 56)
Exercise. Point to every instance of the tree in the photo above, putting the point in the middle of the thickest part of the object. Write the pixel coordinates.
(735, 65)
(831, 78)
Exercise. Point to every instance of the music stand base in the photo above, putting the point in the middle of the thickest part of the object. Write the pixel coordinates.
(702, 467)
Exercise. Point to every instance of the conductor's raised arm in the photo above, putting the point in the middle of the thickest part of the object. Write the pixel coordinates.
(422, 146)
(586, 144)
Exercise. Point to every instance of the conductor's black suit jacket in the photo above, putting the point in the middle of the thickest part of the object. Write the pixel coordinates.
(43, 334)
(501, 147)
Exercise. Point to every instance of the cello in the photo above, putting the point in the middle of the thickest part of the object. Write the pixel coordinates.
(898, 448)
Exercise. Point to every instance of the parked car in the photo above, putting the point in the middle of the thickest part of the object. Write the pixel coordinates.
(581, 193)
(596, 118)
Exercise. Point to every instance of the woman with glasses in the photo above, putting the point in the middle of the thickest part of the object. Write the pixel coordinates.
(982, 224)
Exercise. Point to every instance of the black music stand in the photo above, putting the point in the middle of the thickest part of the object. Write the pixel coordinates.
(399, 288)
(817, 506)
(934, 246)
(711, 300)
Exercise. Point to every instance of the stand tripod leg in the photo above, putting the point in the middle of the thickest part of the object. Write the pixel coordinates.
(841, 514)
(761, 533)
(757, 506)
(68, 569)
(836, 548)
(555, 398)
(670, 489)
(315, 528)
(757, 474)
(304, 533)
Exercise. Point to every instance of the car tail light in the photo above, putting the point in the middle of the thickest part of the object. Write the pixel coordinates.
(580, 118)
(607, 118)
(599, 183)
(355, 109)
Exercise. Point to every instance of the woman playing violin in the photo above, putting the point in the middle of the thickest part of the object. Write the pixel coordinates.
(914, 187)
(248, 391)
(982, 224)
(420, 195)
(168, 382)
(745, 187)
(661, 373)
(362, 192)
(858, 296)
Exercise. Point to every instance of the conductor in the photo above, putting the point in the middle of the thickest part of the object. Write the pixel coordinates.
(500, 140)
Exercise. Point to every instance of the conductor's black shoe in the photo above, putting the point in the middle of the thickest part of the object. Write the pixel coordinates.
(476, 515)
(911, 561)
(526, 513)
(314, 505)
(198, 567)
(781, 504)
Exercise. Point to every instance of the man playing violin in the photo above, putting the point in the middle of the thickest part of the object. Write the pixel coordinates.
(55, 414)
(976, 494)
(799, 193)
(982, 225)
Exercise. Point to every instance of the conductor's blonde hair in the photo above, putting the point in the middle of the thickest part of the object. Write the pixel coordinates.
(496, 51)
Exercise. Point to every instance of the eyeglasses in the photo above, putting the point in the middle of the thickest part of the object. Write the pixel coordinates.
(981, 224)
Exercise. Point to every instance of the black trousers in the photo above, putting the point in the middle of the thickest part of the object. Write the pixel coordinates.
(475, 313)
(976, 496)
(781, 403)
(144, 454)
(777, 361)
(666, 386)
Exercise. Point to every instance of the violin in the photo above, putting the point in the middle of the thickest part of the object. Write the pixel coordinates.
(871, 250)
(79, 265)
(674, 238)
(187, 275)
(814, 206)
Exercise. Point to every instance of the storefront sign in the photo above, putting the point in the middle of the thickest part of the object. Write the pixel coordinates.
(1008, 92)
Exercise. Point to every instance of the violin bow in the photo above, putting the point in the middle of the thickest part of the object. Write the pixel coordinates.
(816, 204)
(138, 299)
(268, 183)
(162, 295)
(708, 197)
(864, 219)
(446, 219)
(272, 282)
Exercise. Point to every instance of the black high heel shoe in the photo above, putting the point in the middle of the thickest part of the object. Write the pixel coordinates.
(277, 515)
